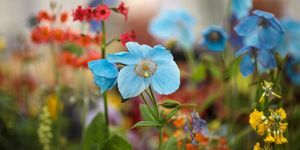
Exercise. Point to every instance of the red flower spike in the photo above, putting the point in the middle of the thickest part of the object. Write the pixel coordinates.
(79, 14)
(89, 14)
(128, 36)
(63, 17)
(101, 12)
(123, 10)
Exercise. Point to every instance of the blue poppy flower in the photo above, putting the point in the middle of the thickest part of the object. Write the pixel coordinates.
(264, 24)
(105, 74)
(174, 24)
(264, 58)
(289, 41)
(146, 66)
(215, 38)
(293, 70)
(241, 8)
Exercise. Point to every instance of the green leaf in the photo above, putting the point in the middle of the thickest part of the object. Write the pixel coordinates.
(199, 73)
(117, 142)
(73, 48)
(214, 70)
(146, 113)
(171, 144)
(146, 124)
(173, 112)
(96, 134)
(170, 104)
(232, 69)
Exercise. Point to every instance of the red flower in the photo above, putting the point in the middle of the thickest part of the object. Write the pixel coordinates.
(89, 56)
(58, 35)
(40, 35)
(123, 10)
(89, 14)
(67, 58)
(101, 12)
(43, 15)
(84, 40)
(79, 14)
(63, 17)
(128, 36)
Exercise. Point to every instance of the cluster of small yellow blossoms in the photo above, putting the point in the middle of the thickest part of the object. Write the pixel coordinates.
(44, 129)
(271, 124)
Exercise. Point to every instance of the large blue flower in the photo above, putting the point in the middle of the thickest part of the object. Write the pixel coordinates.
(174, 24)
(105, 74)
(289, 41)
(251, 55)
(146, 66)
(241, 8)
(293, 70)
(214, 38)
(264, 24)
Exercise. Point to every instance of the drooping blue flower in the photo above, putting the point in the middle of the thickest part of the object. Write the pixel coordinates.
(146, 66)
(293, 70)
(241, 8)
(251, 55)
(105, 74)
(215, 38)
(174, 24)
(289, 41)
(264, 24)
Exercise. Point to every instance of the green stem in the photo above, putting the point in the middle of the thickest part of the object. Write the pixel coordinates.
(154, 102)
(190, 59)
(161, 134)
(145, 101)
(112, 40)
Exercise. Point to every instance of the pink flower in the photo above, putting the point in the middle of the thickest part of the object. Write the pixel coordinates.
(101, 12)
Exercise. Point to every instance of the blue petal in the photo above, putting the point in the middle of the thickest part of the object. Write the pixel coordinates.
(276, 25)
(103, 68)
(247, 65)
(123, 57)
(266, 59)
(216, 46)
(105, 83)
(263, 14)
(139, 50)
(243, 51)
(268, 37)
(130, 84)
(166, 79)
(159, 53)
(247, 25)
(293, 75)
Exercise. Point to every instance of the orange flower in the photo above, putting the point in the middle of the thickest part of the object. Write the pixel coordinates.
(63, 17)
(43, 15)
(179, 122)
(190, 146)
(40, 35)
(201, 139)
(58, 35)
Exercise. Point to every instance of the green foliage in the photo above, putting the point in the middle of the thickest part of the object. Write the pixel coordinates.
(233, 69)
(199, 73)
(147, 124)
(173, 112)
(147, 113)
(171, 144)
(116, 142)
(73, 48)
(170, 104)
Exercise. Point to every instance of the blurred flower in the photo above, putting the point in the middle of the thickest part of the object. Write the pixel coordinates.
(146, 66)
(267, 87)
(241, 8)
(44, 129)
(198, 127)
(40, 34)
(289, 42)
(89, 14)
(123, 9)
(2, 43)
(264, 24)
(58, 35)
(293, 70)
(79, 14)
(63, 17)
(105, 74)
(53, 105)
(128, 37)
(44, 16)
(215, 38)
(101, 12)
(90, 55)
(264, 59)
(174, 24)
(257, 147)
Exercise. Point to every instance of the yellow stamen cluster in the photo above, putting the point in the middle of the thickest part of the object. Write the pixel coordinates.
(267, 87)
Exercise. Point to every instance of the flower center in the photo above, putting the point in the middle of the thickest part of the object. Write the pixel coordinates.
(263, 22)
(145, 68)
(214, 36)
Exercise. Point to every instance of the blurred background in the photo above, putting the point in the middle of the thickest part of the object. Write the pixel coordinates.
(28, 81)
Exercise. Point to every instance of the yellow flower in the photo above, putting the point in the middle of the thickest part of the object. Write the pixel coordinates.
(257, 147)
(281, 113)
(52, 104)
(267, 86)
(256, 117)
(283, 126)
(261, 128)
(280, 139)
(269, 138)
